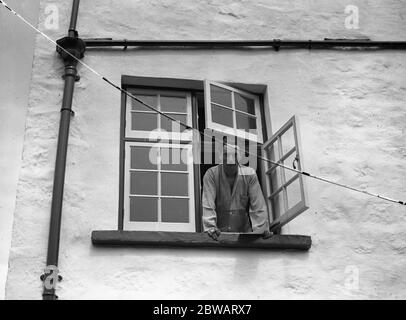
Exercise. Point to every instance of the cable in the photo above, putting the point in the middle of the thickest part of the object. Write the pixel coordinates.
(189, 127)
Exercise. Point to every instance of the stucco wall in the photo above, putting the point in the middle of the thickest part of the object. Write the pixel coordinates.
(351, 108)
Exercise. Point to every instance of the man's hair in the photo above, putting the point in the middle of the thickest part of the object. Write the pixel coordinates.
(229, 148)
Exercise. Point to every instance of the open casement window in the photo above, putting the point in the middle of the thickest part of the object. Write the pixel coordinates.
(287, 195)
(159, 189)
(142, 122)
(232, 111)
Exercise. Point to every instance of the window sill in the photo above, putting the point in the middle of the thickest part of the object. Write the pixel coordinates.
(191, 239)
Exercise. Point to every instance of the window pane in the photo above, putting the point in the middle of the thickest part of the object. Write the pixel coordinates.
(244, 104)
(144, 121)
(288, 140)
(273, 152)
(172, 126)
(175, 210)
(173, 104)
(144, 183)
(221, 96)
(294, 195)
(174, 159)
(246, 122)
(276, 181)
(144, 158)
(143, 209)
(148, 99)
(174, 184)
(222, 116)
(277, 204)
(288, 162)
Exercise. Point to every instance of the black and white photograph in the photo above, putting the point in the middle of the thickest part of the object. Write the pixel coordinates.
(202, 150)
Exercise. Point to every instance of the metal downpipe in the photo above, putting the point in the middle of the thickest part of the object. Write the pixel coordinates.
(51, 276)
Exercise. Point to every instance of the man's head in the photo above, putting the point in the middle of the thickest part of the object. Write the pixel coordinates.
(231, 156)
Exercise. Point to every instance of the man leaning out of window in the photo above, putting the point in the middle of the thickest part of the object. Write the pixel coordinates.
(232, 198)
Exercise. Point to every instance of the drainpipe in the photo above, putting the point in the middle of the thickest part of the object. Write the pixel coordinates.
(76, 47)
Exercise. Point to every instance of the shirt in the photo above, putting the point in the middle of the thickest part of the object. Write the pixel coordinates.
(245, 199)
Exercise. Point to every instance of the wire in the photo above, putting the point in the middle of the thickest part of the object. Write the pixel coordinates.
(189, 127)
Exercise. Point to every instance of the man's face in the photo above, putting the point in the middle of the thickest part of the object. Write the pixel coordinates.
(230, 161)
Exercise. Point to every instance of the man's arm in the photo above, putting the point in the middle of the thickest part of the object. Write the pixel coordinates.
(258, 210)
(209, 202)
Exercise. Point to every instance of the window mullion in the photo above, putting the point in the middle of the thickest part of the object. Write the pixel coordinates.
(159, 186)
(159, 108)
(234, 112)
(282, 175)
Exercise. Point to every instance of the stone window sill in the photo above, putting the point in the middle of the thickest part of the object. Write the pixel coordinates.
(197, 240)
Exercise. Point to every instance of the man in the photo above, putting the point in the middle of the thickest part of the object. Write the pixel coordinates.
(232, 198)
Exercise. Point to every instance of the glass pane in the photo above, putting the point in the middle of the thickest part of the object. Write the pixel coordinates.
(143, 209)
(173, 104)
(273, 152)
(288, 140)
(244, 104)
(222, 116)
(246, 122)
(174, 184)
(148, 99)
(144, 121)
(220, 96)
(142, 182)
(276, 181)
(288, 162)
(175, 210)
(144, 158)
(174, 159)
(277, 204)
(294, 195)
(172, 126)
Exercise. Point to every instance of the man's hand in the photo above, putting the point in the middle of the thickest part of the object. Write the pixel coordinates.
(214, 233)
(267, 234)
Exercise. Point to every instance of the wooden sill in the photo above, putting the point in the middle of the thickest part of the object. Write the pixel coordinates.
(191, 239)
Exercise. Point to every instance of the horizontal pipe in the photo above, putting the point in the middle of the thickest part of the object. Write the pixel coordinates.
(276, 44)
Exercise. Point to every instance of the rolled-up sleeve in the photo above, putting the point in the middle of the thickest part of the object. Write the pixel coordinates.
(209, 201)
(258, 210)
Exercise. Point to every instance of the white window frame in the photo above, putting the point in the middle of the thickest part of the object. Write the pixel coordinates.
(225, 129)
(301, 206)
(158, 134)
(159, 225)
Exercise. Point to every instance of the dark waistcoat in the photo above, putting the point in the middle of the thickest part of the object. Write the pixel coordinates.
(232, 206)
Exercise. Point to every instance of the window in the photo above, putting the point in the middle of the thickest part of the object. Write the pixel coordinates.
(287, 196)
(158, 177)
(233, 111)
(160, 188)
(146, 123)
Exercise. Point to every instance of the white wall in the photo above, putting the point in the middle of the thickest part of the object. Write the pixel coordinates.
(16, 53)
(351, 108)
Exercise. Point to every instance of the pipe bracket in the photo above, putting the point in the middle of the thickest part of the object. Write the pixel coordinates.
(70, 110)
(70, 48)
